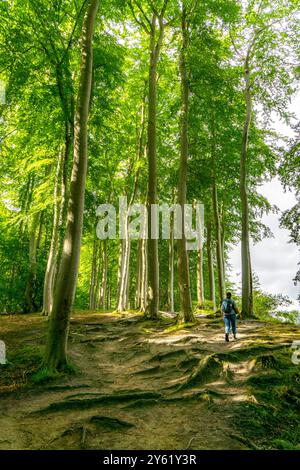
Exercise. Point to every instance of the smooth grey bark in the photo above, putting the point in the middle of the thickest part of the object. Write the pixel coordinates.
(137, 299)
(217, 221)
(98, 275)
(210, 265)
(49, 278)
(200, 281)
(93, 276)
(124, 261)
(186, 310)
(30, 304)
(102, 303)
(64, 84)
(171, 305)
(122, 303)
(56, 347)
(142, 273)
(247, 295)
(155, 28)
(153, 263)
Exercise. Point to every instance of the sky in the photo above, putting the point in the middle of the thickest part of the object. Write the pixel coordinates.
(274, 260)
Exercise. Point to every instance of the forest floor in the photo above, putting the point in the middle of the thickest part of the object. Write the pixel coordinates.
(139, 385)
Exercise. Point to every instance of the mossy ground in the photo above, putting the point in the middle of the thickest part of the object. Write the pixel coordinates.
(134, 383)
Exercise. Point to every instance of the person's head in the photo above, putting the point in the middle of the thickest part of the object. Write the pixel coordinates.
(228, 295)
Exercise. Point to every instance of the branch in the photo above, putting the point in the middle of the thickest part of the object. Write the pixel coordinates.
(73, 32)
(163, 10)
(193, 7)
(233, 43)
(143, 13)
(8, 134)
(141, 23)
(155, 11)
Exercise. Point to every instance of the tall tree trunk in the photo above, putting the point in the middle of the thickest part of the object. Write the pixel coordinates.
(93, 277)
(64, 83)
(153, 264)
(219, 249)
(137, 300)
(200, 282)
(99, 274)
(30, 290)
(122, 303)
(56, 348)
(123, 281)
(103, 289)
(210, 263)
(186, 310)
(144, 271)
(108, 292)
(247, 296)
(49, 278)
(171, 306)
(222, 227)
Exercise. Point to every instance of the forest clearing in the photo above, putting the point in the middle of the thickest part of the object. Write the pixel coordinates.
(149, 225)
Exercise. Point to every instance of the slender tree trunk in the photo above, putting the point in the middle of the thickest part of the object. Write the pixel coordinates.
(210, 263)
(144, 272)
(54, 245)
(122, 303)
(222, 239)
(247, 296)
(103, 289)
(137, 301)
(219, 250)
(171, 266)
(30, 291)
(200, 283)
(93, 277)
(123, 281)
(108, 288)
(99, 275)
(56, 347)
(64, 84)
(186, 310)
(153, 264)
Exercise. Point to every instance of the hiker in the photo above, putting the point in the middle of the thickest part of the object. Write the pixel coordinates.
(229, 310)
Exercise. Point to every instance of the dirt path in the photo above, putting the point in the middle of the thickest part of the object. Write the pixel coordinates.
(139, 386)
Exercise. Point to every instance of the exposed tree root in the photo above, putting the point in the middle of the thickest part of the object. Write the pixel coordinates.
(82, 404)
(208, 368)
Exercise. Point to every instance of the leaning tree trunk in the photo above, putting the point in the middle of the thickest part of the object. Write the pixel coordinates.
(186, 310)
(56, 347)
(247, 296)
(49, 278)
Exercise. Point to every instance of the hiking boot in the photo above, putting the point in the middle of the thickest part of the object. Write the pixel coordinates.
(234, 336)
(227, 337)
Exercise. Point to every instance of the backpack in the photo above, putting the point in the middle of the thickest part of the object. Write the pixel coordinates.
(228, 306)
